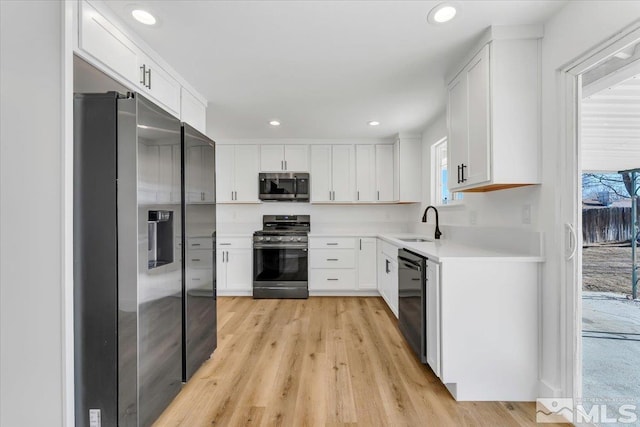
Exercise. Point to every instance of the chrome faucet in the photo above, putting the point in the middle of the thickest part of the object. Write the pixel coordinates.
(424, 219)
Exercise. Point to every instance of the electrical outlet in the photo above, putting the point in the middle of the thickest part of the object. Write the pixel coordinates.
(473, 217)
(526, 214)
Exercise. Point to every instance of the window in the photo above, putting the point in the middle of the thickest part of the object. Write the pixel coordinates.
(440, 189)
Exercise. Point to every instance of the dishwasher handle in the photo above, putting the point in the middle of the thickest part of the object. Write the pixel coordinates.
(409, 263)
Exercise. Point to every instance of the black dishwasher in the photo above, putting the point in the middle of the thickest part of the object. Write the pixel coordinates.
(412, 281)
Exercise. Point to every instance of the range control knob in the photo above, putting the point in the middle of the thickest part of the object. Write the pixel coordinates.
(299, 239)
(259, 238)
(267, 238)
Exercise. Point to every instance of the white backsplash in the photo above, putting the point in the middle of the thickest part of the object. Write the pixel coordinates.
(245, 219)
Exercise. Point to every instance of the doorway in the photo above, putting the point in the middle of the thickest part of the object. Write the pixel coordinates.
(602, 164)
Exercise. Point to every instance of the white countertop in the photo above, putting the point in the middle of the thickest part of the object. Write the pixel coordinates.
(442, 250)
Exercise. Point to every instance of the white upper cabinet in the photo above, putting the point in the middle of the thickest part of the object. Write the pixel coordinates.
(342, 173)
(106, 43)
(237, 168)
(365, 173)
(159, 84)
(384, 173)
(103, 40)
(192, 111)
(408, 169)
(332, 173)
(493, 113)
(321, 179)
(291, 158)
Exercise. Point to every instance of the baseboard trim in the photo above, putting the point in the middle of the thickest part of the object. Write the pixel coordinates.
(547, 390)
(363, 293)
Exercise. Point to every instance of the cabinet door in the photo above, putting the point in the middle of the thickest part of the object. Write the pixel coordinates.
(271, 158)
(321, 186)
(457, 143)
(367, 263)
(208, 174)
(225, 170)
(296, 158)
(478, 119)
(343, 162)
(221, 269)
(433, 316)
(105, 42)
(159, 84)
(384, 173)
(192, 111)
(247, 166)
(393, 286)
(239, 269)
(366, 173)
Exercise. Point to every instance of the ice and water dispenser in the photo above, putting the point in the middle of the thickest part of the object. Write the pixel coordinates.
(161, 238)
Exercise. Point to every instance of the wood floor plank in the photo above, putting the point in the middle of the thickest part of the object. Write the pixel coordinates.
(325, 361)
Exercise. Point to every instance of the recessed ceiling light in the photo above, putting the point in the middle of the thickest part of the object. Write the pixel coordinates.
(374, 123)
(143, 16)
(444, 12)
(274, 123)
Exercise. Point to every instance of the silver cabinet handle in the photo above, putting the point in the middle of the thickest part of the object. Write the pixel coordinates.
(232, 195)
(195, 244)
(224, 244)
(358, 194)
(286, 167)
(378, 194)
(196, 279)
(332, 259)
(360, 244)
(149, 82)
(281, 164)
(332, 244)
(195, 259)
(143, 75)
(386, 267)
(235, 195)
(333, 280)
(329, 194)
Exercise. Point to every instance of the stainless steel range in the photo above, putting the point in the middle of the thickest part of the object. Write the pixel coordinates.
(280, 257)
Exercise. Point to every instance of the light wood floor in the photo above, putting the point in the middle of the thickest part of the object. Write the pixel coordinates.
(321, 362)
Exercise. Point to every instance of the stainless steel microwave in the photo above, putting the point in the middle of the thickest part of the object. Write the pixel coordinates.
(284, 187)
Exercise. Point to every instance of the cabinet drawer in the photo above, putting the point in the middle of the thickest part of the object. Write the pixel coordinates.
(332, 280)
(390, 250)
(200, 259)
(199, 243)
(332, 242)
(234, 242)
(337, 258)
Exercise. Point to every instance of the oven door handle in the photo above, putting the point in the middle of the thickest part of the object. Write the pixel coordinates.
(278, 246)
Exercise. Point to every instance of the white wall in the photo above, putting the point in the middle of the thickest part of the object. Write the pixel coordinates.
(31, 214)
(579, 26)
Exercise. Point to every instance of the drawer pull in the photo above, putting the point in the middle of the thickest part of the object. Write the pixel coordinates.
(332, 259)
(224, 244)
(332, 244)
(195, 244)
(195, 259)
(196, 278)
(333, 280)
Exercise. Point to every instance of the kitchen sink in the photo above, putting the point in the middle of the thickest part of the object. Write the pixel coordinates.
(415, 239)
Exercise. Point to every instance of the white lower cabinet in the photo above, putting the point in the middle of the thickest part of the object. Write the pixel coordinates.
(433, 316)
(342, 265)
(234, 265)
(388, 275)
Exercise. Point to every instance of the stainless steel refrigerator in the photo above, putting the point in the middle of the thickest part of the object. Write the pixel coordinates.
(199, 325)
(127, 259)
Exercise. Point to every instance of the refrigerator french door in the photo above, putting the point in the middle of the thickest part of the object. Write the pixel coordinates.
(199, 291)
(127, 266)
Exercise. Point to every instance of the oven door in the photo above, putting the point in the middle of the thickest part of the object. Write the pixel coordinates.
(280, 271)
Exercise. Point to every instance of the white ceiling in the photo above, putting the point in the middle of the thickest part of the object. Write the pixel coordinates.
(323, 68)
